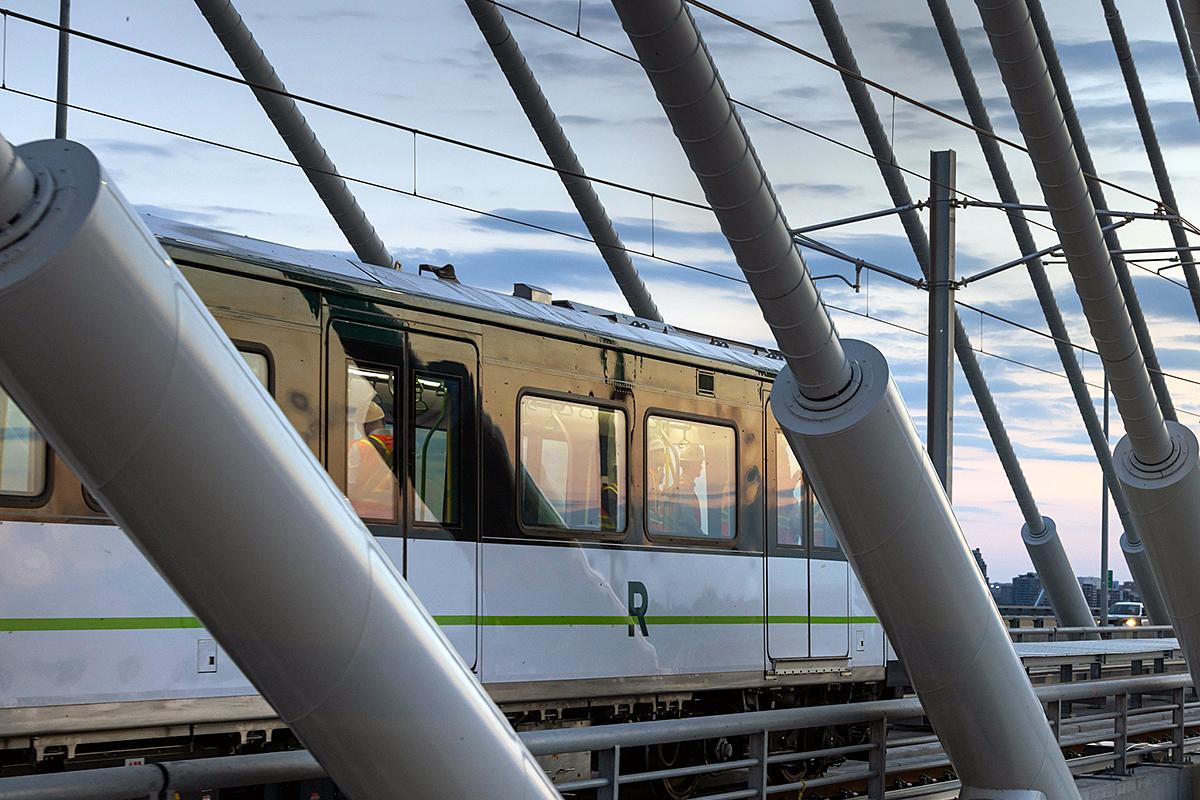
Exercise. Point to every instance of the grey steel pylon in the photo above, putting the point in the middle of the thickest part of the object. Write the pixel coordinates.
(1157, 461)
(1039, 533)
(836, 401)
(294, 129)
(246, 526)
(1135, 552)
(558, 148)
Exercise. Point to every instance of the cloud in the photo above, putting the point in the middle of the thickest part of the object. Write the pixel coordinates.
(322, 16)
(836, 189)
(1112, 125)
(213, 216)
(129, 147)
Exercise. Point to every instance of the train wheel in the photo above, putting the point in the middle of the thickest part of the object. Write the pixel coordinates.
(796, 771)
(669, 756)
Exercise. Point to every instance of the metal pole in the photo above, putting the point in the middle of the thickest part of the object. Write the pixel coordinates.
(1191, 20)
(64, 53)
(545, 124)
(1104, 602)
(1039, 533)
(1096, 191)
(293, 128)
(1185, 52)
(940, 427)
(973, 99)
(905, 545)
(1158, 166)
(243, 521)
(1157, 461)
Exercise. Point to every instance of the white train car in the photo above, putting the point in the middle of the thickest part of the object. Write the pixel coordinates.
(599, 511)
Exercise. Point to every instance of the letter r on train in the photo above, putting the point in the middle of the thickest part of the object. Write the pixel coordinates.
(639, 603)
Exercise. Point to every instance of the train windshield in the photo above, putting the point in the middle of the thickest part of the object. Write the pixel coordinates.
(22, 452)
(572, 465)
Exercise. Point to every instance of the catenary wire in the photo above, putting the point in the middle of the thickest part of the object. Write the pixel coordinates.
(547, 229)
(363, 116)
(792, 47)
(578, 237)
(837, 142)
(417, 132)
(895, 94)
(360, 181)
(344, 110)
(825, 137)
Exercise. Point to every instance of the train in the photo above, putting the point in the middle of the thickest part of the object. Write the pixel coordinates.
(600, 512)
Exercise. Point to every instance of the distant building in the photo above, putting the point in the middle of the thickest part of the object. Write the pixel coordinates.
(982, 564)
(1026, 589)
(1002, 593)
(1091, 589)
(1126, 592)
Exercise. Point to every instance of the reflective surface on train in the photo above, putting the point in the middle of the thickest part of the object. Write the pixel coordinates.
(601, 514)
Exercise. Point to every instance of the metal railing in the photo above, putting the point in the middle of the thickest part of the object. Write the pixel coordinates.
(1108, 726)
(1072, 634)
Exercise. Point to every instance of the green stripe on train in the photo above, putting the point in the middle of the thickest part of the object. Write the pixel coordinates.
(97, 623)
(11, 625)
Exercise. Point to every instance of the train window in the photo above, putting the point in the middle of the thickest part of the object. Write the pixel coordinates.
(789, 495)
(22, 453)
(572, 465)
(259, 365)
(823, 535)
(437, 449)
(691, 479)
(371, 468)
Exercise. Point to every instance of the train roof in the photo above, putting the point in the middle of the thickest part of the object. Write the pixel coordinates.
(560, 313)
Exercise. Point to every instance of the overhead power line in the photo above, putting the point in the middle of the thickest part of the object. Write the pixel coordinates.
(578, 34)
(577, 237)
(776, 40)
(414, 193)
(345, 110)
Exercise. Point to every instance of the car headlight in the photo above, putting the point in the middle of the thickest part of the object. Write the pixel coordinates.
(1131, 622)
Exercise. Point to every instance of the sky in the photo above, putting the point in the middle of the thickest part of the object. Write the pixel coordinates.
(425, 65)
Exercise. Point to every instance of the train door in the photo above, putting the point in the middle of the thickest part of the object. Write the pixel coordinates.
(828, 586)
(788, 624)
(441, 531)
(365, 431)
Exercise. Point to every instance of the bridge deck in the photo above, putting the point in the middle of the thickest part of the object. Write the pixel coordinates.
(1047, 662)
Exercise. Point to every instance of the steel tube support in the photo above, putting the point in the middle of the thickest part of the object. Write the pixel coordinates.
(1157, 461)
(909, 554)
(1191, 21)
(243, 522)
(1005, 187)
(1058, 171)
(293, 128)
(1185, 52)
(745, 204)
(906, 548)
(1103, 600)
(1066, 597)
(1096, 191)
(64, 58)
(558, 148)
(1158, 166)
(940, 425)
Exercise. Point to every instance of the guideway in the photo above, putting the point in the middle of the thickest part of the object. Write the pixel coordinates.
(237, 514)
(835, 400)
